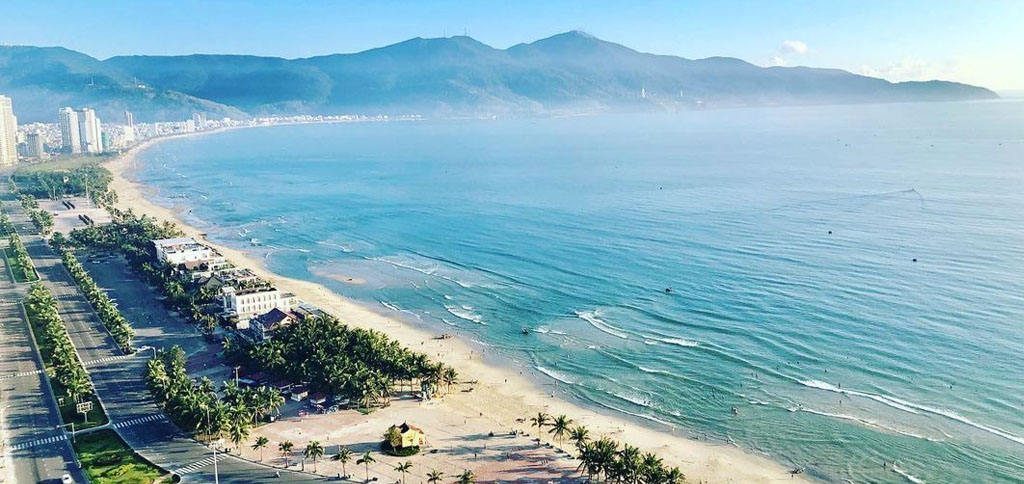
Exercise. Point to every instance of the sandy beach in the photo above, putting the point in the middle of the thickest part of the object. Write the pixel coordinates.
(499, 398)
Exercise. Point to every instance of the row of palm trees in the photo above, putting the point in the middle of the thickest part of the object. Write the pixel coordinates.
(116, 323)
(333, 358)
(195, 405)
(605, 458)
(314, 450)
(42, 219)
(22, 263)
(6, 227)
(56, 347)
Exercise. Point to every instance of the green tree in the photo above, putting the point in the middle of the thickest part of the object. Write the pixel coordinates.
(366, 460)
(286, 449)
(560, 427)
(403, 467)
(539, 421)
(467, 477)
(434, 477)
(344, 455)
(260, 443)
(313, 451)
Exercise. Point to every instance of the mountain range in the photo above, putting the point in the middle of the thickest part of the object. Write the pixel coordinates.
(567, 73)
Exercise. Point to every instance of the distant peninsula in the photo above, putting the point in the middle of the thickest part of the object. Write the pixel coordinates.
(567, 73)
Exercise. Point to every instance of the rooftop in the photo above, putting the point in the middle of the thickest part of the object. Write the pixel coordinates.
(174, 241)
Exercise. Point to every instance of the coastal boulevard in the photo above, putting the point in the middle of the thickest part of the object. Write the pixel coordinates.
(38, 449)
(119, 382)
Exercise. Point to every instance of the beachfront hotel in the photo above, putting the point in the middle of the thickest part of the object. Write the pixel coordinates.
(8, 133)
(246, 303)
(185, 250)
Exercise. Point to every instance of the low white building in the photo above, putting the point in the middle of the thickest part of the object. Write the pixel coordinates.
(249, 302)
(182, 250)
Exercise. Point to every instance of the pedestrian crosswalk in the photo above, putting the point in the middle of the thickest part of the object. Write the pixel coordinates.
(19, 375)
(44, 441)
(196, 466)
(87, 364)
(139, 420)
(107, 359)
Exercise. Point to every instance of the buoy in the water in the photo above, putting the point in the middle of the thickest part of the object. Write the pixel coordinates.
(914, 259)
(668, 289)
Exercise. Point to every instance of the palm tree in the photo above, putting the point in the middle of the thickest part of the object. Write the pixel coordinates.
(260, 443)
(434, 477)
(579, 435)
(651, 468)
(313, 451)
(449, 376)
(560, 427)
(238, 431)
(674, 476)
(629, 462)
(344, 455)
(467, 477)
(286, 449)
(366, 460)
(403, 467)
(540, 421)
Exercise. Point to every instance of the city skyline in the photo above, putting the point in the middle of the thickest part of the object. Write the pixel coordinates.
(894, 42)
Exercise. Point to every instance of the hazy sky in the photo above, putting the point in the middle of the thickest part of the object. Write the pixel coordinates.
(978, 42)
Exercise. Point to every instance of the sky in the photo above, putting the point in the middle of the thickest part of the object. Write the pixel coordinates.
(977, 42)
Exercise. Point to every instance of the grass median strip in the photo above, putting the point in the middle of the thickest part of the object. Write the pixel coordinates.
(68, 378)
(21, 263)
(108, 459)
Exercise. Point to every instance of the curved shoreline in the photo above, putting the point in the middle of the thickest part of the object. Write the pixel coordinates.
(504, 395)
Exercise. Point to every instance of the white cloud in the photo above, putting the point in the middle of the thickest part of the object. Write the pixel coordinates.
(777, 61)
(794, 47)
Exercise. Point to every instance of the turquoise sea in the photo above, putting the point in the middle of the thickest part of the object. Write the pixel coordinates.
(787, 237)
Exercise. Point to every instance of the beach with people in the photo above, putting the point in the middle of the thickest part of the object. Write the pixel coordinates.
(481, 424)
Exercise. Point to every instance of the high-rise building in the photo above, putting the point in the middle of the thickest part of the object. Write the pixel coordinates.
(199, 119)
(89, 131)
(129, 128)
(8, 133)
(70, 141)
(34, 145)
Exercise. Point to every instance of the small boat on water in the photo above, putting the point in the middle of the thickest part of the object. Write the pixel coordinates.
(254, 241)
(526, 330)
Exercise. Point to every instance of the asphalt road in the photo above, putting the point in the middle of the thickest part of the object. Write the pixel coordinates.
(119, 381)
(33, 439)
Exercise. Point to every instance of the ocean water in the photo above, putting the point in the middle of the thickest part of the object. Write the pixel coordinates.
(787, 237)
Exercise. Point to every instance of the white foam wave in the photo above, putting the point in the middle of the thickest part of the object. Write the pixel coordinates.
(428, 270)
(390, 306)
(591, 317)
(447, 297)
(678, 342)
(639, 415)
(344, 248)
(635, 400)
(463, 314)
(911, 478)
(541, 330)
(556, 375)
(915, 408)
(865, 422)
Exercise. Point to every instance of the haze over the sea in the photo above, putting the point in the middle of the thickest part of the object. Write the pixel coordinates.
(849, 278)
